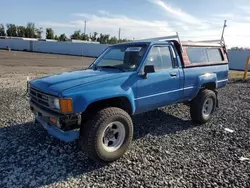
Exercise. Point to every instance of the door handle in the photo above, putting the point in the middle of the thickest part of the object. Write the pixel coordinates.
(173, 74)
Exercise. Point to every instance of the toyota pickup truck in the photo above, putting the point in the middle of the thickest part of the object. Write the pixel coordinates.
(95, 104)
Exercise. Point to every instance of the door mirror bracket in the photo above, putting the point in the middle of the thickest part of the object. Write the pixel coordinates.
(148, 69)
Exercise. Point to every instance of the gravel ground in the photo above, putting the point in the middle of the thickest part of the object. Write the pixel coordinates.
(168, 149)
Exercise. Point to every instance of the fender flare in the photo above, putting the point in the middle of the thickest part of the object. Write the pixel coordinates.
(205, 79)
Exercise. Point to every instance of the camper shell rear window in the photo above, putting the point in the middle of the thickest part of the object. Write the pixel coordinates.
(200, 55)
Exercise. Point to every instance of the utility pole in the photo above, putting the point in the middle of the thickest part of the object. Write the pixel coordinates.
(119, 34)
(223, 30)
(85, 23)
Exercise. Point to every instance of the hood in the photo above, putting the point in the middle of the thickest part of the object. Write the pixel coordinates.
(57, 83)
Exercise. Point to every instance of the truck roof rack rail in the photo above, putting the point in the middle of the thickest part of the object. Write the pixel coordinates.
(165, 38)
(219, 41)
(214, 41)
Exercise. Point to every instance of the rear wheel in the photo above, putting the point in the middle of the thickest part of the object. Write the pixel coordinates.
(107, 136)
(203, 106)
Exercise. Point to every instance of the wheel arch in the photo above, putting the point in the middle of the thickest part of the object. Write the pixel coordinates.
(121, 102)
(206, 81)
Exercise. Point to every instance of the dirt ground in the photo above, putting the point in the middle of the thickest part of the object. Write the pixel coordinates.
(26, 62)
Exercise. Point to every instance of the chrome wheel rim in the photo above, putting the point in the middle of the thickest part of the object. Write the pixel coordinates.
(208, 107)
(113, 136)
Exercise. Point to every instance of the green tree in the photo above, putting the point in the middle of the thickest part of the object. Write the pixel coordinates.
(56, 37)
(76, 35)
(62, 37)
(21, 30)
(30, 30)
(106, 39)
(84, 37)
(113, 40)
(2, 30)
(11, 30)
(100, 38)
(49, 33)
(125, 40)
(103, 38)
(38, 32)
(94, 36)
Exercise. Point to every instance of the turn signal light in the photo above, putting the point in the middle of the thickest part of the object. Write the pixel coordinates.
(66, 105)
(53, 120)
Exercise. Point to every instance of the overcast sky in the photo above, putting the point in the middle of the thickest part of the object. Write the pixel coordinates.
(193, 19)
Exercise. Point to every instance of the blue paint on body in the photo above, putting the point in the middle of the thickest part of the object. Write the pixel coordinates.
(67, 136)
(158, 90)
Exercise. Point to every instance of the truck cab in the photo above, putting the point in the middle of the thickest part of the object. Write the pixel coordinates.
(95, 105)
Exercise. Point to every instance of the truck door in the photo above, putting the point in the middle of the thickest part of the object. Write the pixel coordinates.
(162, 87)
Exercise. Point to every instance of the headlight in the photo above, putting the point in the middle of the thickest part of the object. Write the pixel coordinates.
(57, 104)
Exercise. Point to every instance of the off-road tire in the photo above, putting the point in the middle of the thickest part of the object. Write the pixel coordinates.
(91, 134)
(196, 107)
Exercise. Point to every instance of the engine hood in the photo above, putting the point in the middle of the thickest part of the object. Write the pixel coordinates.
(55, 84)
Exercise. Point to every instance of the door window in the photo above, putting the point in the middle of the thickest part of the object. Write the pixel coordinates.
(160, 57)
(166, 57)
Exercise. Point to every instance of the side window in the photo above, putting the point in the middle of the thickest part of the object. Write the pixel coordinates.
(160, 57)
(197, 55)
(214, 55)
(154, 58)
(166, 57)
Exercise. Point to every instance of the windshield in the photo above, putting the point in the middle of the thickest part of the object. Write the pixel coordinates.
(122, 57)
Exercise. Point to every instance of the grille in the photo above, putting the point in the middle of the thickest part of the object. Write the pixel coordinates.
(39, 98)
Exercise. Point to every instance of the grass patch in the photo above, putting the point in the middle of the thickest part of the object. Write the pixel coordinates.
(236, 74)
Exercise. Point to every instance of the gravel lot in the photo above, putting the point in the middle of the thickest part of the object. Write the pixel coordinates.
(168, 149)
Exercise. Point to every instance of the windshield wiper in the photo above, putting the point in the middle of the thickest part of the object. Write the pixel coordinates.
(94, 67)
(111, 67)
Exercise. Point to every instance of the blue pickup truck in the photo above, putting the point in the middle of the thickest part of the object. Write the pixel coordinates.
(95, 105)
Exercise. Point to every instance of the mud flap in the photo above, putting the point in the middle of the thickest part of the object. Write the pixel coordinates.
(217, 101)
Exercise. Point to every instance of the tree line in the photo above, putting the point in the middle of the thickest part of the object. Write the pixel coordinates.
(31, 31)
(239, 48)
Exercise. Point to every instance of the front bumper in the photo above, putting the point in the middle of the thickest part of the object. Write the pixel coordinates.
(42, 117)
(66, 136)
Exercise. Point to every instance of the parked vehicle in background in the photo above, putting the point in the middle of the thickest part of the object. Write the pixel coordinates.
(96, 104)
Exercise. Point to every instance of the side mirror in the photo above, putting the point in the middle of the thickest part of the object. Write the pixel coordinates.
(148, 69)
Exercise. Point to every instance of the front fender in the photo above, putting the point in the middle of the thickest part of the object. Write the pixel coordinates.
(82, 101)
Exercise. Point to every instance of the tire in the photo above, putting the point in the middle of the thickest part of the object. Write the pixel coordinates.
(197, 111)
(95, 135)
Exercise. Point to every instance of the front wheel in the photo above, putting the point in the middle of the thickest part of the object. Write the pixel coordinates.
(203, 106)
(107, 136)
